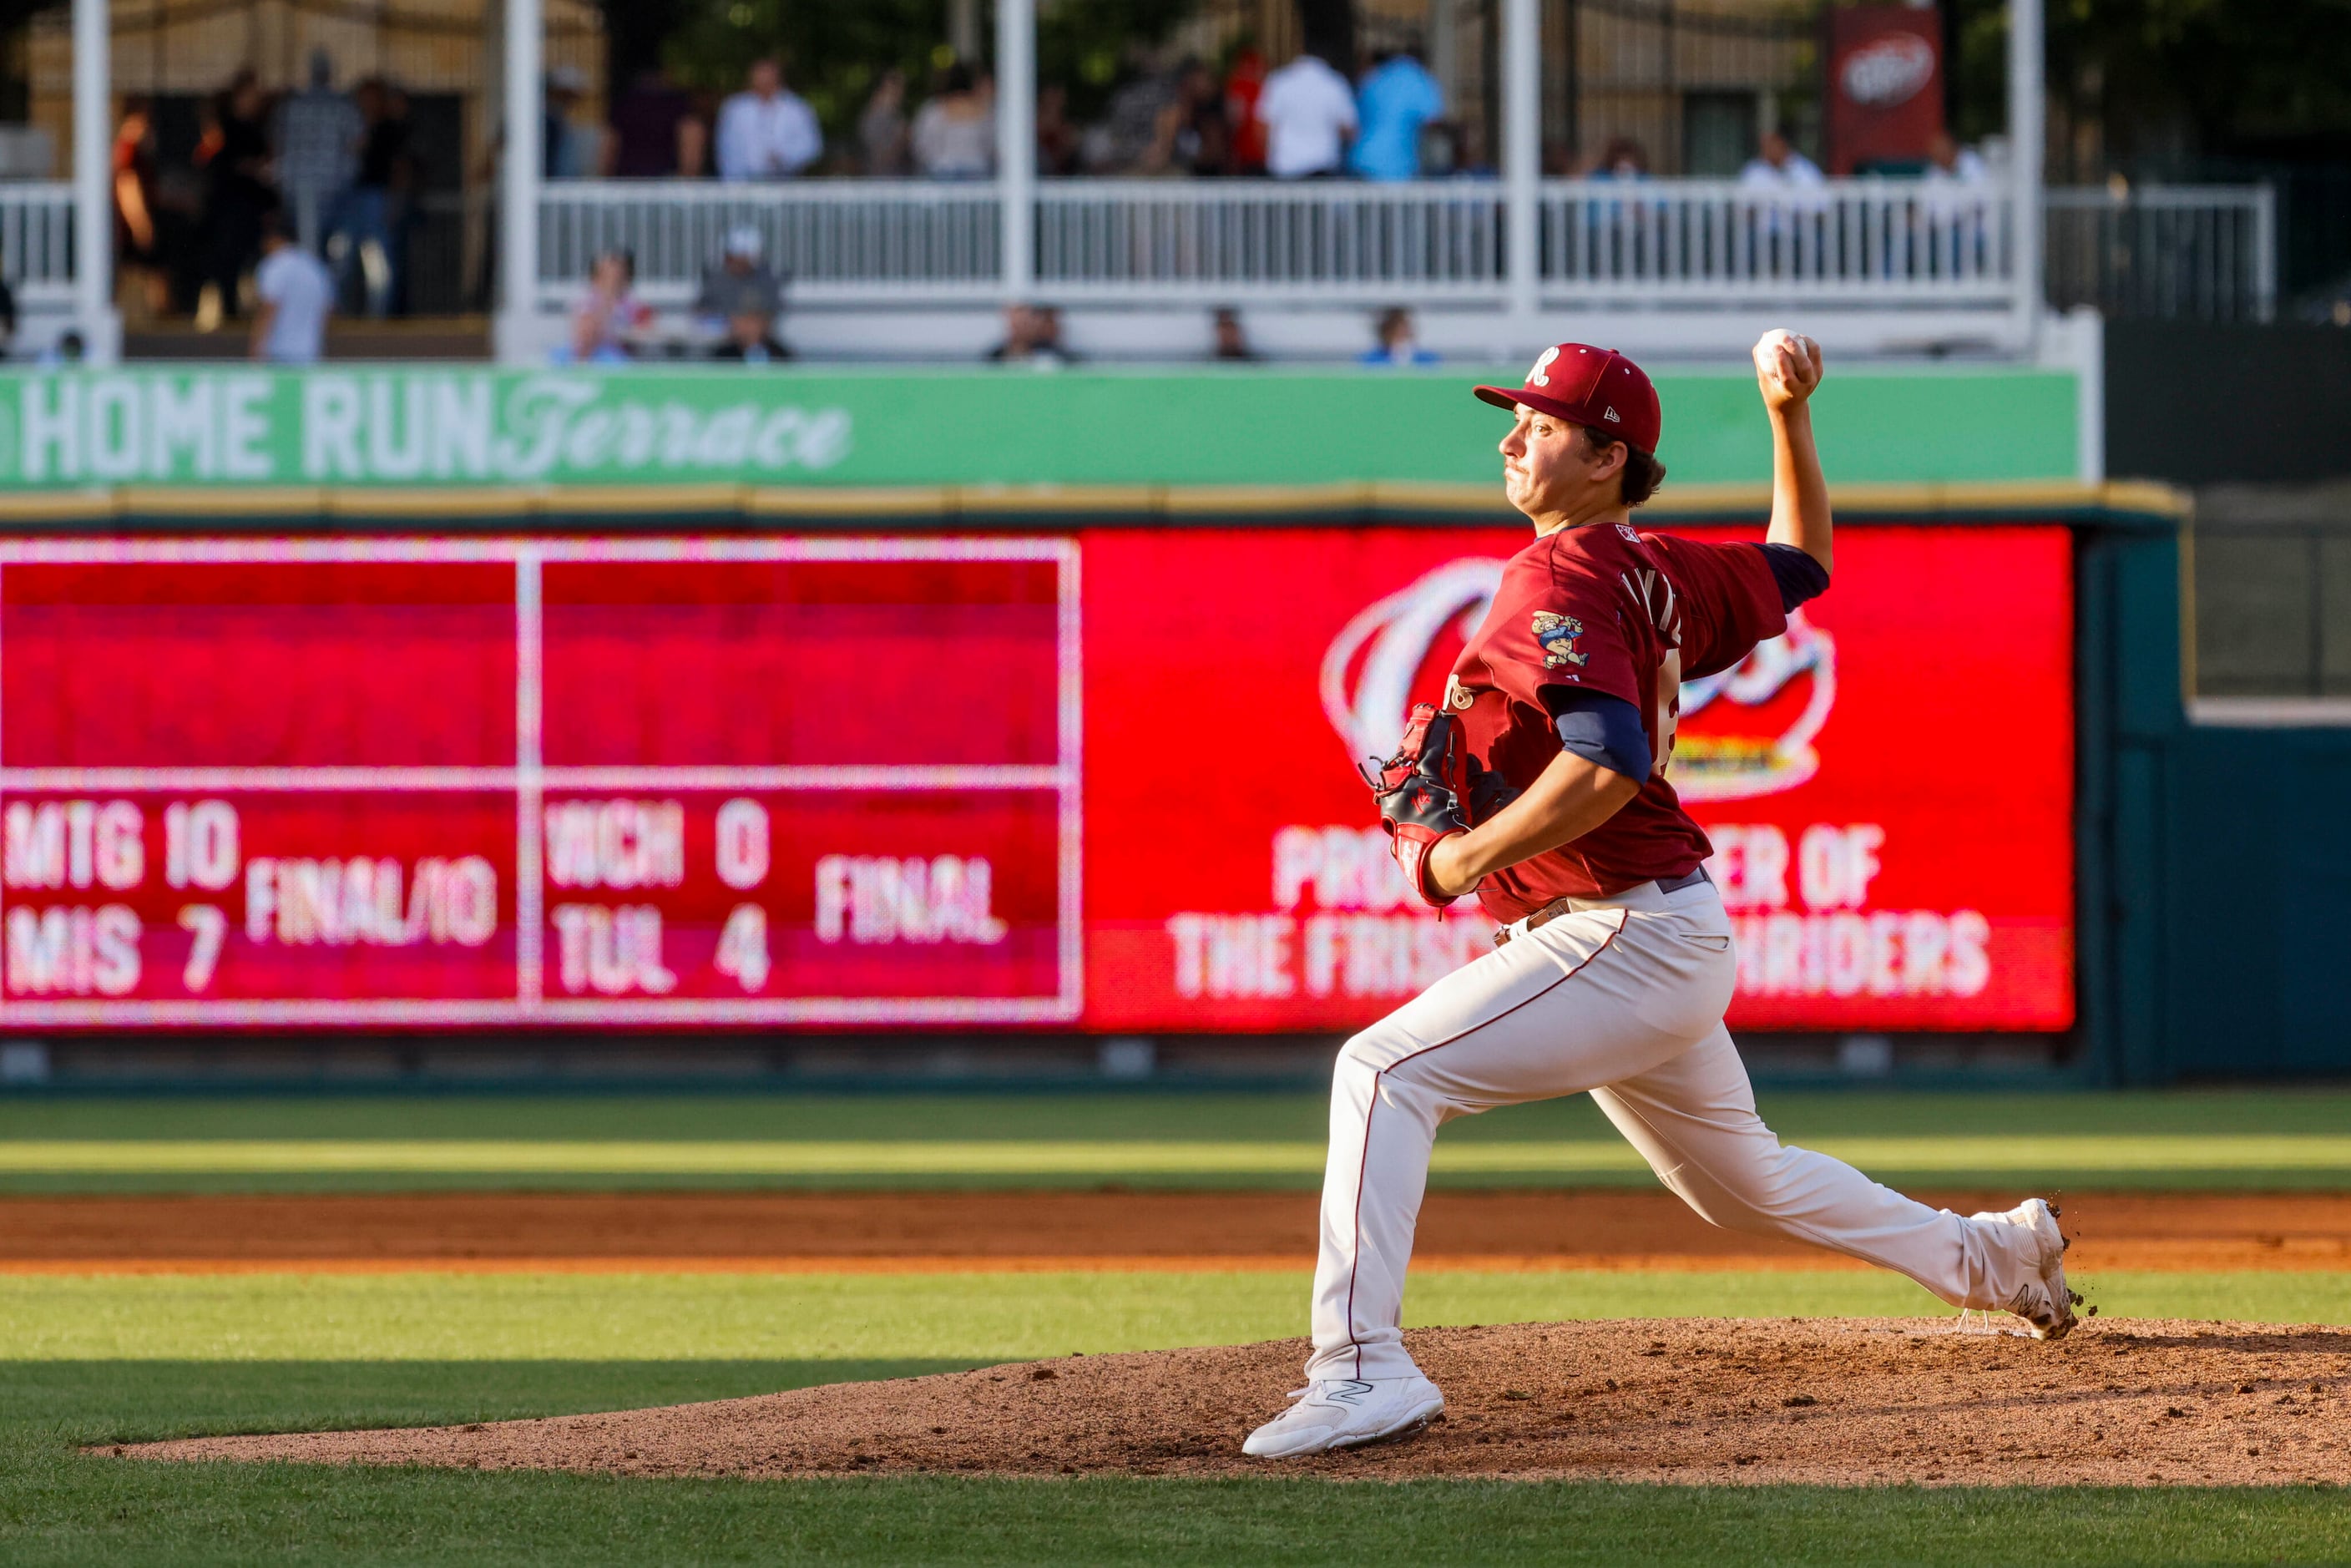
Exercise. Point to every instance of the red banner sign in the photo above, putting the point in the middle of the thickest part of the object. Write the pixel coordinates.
(1883, 872)
(876, 781)
(1886, 85)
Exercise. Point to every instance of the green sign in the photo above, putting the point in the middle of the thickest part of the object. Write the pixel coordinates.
(1015, 426)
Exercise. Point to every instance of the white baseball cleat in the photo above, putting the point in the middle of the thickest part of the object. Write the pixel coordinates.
(1345, 1413)
(2043, 1302)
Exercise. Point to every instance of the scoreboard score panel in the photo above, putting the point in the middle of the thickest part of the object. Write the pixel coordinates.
(425, 781)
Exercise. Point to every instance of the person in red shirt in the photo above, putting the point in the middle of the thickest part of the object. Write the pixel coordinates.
(1543, 783)
(1243, 84)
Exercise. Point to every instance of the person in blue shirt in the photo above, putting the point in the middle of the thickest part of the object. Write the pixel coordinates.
(1397, 98)
(1398, 345)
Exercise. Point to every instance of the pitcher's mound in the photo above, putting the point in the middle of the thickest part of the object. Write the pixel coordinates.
(1867, 1400)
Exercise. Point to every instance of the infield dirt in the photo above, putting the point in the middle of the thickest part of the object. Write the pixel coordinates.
(847, 1232)
(1686, 1400)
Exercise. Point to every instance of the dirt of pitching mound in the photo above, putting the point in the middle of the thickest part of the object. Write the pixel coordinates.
(1686, 1400)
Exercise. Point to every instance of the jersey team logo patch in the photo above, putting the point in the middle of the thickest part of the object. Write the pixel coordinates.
(1557, 635)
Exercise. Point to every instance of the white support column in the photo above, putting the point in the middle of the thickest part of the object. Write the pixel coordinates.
(1016, 142)
(1522, 161)
(93, 149)
(2026, 106)
(518, 193)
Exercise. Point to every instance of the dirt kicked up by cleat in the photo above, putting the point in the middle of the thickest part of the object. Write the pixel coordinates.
(2045, 1301)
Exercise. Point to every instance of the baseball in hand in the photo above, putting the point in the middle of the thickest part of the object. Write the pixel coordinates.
(1787, 367)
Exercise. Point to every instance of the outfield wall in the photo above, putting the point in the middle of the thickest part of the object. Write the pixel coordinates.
(579, 643)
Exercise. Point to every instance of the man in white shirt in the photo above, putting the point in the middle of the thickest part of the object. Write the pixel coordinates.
(1778, 163)
(291, 326)
(1954, 208)
(1309, 113)
(767, 131)
(1778, 166)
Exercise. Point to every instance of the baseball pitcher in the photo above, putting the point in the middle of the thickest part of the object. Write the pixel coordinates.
(1544, 785)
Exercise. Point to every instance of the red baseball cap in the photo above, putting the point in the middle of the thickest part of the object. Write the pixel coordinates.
(1584, 385)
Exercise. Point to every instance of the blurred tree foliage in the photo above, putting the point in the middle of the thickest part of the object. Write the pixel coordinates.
(2164, 81)
(835, 50)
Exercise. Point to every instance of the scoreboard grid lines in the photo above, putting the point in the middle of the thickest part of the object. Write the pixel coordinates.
(530, 780)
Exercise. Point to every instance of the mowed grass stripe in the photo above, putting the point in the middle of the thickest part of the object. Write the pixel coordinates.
(967, 1318)
(2186, 1156)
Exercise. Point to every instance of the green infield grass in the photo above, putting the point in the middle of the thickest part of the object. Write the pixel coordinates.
(99, 1360)
(963, 1318)
(2187, 1140)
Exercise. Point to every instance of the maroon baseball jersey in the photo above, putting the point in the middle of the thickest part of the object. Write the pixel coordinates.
(1604, 607)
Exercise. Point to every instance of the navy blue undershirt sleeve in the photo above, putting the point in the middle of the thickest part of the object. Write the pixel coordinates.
(1601, 729)
(1800, 577)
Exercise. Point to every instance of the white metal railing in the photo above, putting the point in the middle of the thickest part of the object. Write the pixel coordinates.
(846, 241)
(1267, 239)
(2206, 252)
(37, 248)
(1858, 243)
(1866, 242)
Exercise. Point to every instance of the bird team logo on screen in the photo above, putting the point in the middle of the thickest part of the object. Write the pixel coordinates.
(1743, 732)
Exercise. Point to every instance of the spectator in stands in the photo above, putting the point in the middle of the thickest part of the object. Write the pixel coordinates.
(751, 340)
(234, 153)
(1231, 343)
(289, 326)
(1244, 82)
(1954, 209)
(767, 131)
(1397, 344)
(610, 326)
(1623, 159)
(1202, 139)
(70, 349)
(1778, 164)
(1779, 167)
(954, 134)
(372, 215)
(570, 148)
(318, 136)
(138, 260)
(881, 146)
(656, 134)
(1397, 97)
(1949, 163)
(740, 285)
(1032, 336)
(1138, 134)
(1309, 113)
(1057, 139)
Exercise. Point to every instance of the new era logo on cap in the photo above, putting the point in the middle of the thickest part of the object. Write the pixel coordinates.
(1589, 386)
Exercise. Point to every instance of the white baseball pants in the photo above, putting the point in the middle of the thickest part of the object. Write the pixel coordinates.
(1623, 998)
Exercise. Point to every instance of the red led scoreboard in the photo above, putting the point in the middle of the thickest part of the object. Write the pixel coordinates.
(839, 782)
(616, 781)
